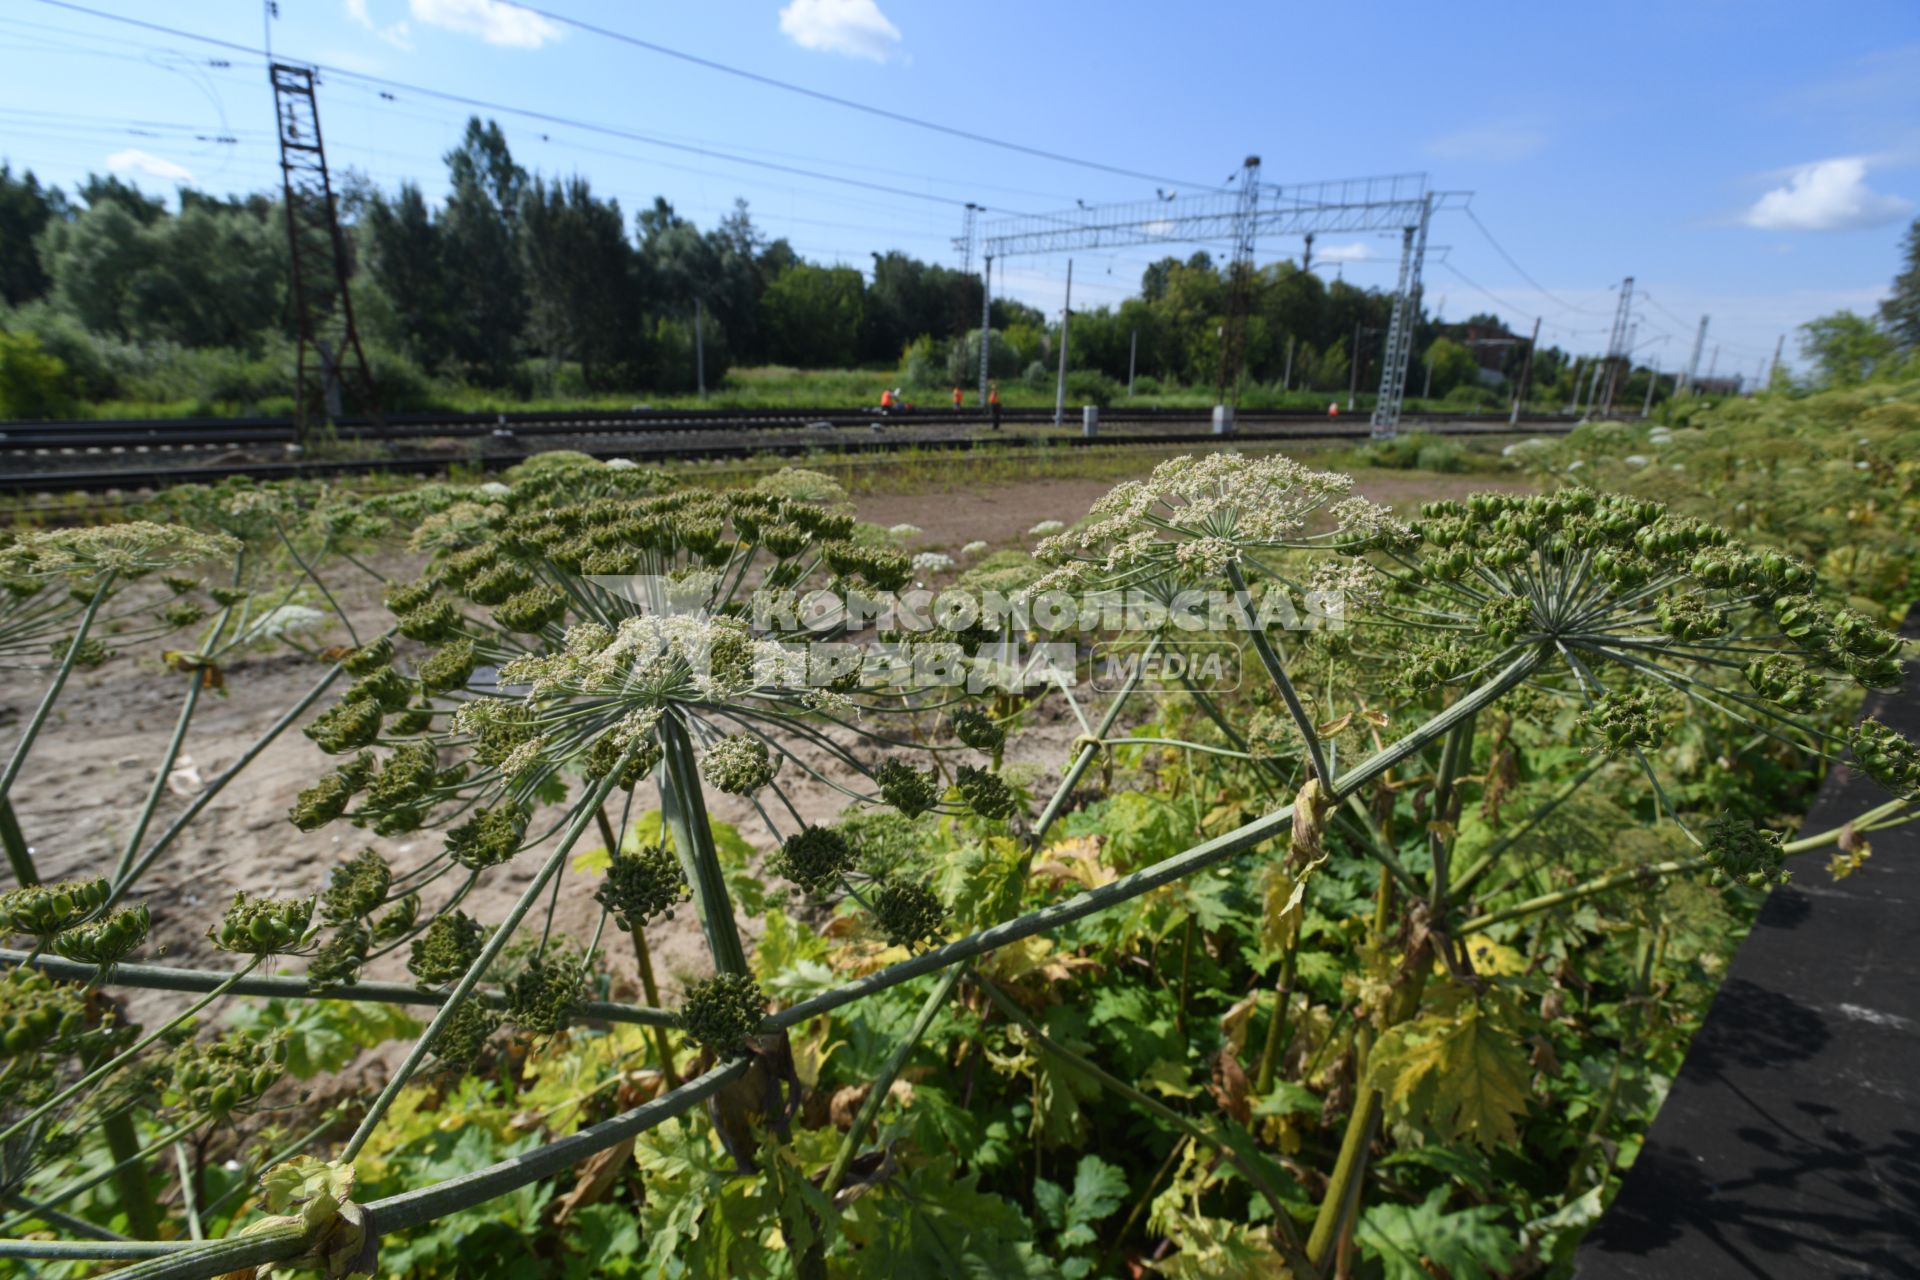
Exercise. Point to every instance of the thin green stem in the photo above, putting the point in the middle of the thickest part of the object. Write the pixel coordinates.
(1481, 865)
(82, 1185)
(1147, 879)
(101, 1072)
(1234, 1153)
(189, 1195)
(161, 978)
(1276, 1025)
(1277, 671)
(19, 856)
(644, 958)
(135, 1187)
(496, 943)
(1083, 758)
(52, 695)
(219, 784)
(196, 680)
(1645, 874)
(684, 807)
(883, 1083)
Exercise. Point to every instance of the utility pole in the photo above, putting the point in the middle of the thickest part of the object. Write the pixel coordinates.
(1060, 386)
(1573, 397)
(986, 324)
(700, 345)
(964, 243)
(1619, 344)
(1233, 337)
(1526, 372)
(1353, 384)
(1713, 363)
(1653, 380)
(326, 339)
(1306, 259)
(1133, 350)
(1693, 364)
(1286, 379)
(1778, 346)
(1593, 384)
(1426, 389)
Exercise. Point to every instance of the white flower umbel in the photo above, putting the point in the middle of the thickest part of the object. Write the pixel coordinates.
(1195, 516)
(932, 562)
(906, 531)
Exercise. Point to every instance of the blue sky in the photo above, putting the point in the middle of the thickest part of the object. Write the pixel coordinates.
(1756, 161)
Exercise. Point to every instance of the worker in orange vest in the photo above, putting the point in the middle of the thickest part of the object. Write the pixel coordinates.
(957, 398)
(993, 403)
(886, 399)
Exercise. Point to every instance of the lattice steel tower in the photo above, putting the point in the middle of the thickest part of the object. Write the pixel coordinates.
(1619, 346)
(1406, 311)
(1233, 333)
(329, 363)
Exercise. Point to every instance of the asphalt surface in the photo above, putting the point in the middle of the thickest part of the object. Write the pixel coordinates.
(1790, 1144)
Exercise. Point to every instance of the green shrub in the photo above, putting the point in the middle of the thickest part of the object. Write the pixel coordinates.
(33, 384)
(1472, 397)
(1090, 386)
(669, 364)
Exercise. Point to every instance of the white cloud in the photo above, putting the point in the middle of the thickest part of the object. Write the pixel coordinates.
(856, 28)
(492, 21)
(133, 160)
(1494, 143)
(397, 34)
(1355, 251)
(1830, 195)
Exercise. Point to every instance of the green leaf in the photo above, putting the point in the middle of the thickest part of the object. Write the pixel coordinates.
(1171, 1078)
(1414, 1241)
(1288, 1099)
(1099, 1189)
(1462, 1072)
(934, 1221)
(323, 1035)
(1466, 1166)
(1051, 1199)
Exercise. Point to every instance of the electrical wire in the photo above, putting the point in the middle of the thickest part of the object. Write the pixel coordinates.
(1539, 288)
(881, 112)
(524, 112)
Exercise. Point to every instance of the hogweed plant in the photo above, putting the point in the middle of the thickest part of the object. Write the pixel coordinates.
(588, 639)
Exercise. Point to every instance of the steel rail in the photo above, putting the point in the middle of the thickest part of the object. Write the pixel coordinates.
(146, 470)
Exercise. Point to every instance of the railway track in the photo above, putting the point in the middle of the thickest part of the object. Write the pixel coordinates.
(99, 455)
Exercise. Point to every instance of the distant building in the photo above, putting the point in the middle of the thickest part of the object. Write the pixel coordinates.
(1490, 344)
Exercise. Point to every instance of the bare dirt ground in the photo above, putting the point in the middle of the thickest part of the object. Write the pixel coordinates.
(94, 761)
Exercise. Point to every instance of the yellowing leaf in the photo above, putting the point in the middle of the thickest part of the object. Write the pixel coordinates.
(1170, 1078)
(1463, 1073)
(1494, 958)
(594, 862)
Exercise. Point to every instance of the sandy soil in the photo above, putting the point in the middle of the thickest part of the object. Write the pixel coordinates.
(93, 764)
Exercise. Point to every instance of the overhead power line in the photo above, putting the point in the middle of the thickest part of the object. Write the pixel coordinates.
(524, 112)
(850, 104)
(1539, 288)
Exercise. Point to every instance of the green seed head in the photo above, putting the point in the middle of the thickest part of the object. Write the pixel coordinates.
(721, 1012)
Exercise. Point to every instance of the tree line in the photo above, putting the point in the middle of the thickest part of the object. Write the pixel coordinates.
(534, 284)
